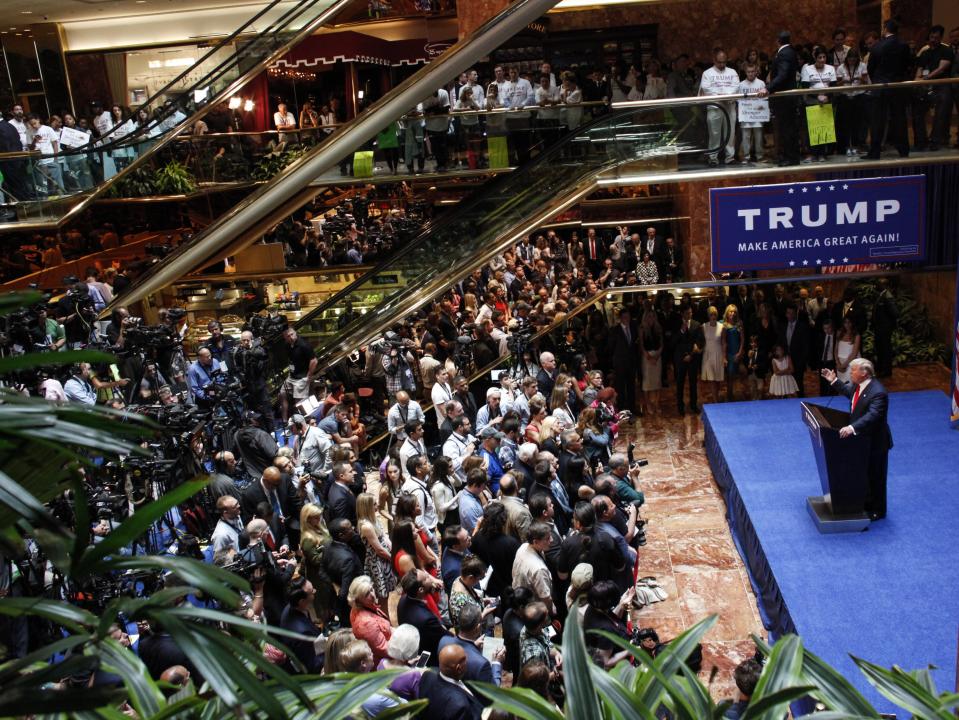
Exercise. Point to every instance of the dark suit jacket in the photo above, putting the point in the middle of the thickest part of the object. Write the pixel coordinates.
(663, 262)
(621, 352)
(297, 622)
(798, 349)
(416, 613)
(342, 503)
(9, 138)
(869, 415)
(289, 502)
(684, 341)
(856, 311)
(545, 382)
(884, 314)
(889, 61)
(341, 565)
(477, 666)
(602, 249)
(783, 69)
(159, 651)
(256, 447)
(447, 700)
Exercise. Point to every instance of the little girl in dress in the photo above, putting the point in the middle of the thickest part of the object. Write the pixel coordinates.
(782, 383)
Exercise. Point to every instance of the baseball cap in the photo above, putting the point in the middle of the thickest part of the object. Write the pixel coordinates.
(490, 432)
(297, 419)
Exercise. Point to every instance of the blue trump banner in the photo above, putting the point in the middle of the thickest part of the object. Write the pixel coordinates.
(818, 224)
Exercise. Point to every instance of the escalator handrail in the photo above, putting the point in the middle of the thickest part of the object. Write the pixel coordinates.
(430, 227)
(303, 171)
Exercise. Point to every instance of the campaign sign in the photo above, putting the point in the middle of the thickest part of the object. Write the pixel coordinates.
(818, 224)
(753, 110)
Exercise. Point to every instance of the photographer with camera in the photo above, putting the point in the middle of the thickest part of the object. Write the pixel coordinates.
(76, 312)
(628, 487)
(200, 375)
(219, 345)
(248, 360)
(276, 570)
(312, 448)
(398, 364)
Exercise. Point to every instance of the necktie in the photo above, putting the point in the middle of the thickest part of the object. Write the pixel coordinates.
(827, 349)
(626, 333)
(275, 501)
(592, 248)
(855, 398)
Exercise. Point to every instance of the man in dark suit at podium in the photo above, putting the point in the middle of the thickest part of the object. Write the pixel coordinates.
(868, 411)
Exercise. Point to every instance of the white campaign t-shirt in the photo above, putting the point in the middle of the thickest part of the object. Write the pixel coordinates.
(719, 82)
(44, 136)
(858, 75)
(818, 78)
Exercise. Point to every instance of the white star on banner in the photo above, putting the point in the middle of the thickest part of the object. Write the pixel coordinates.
(805, 262)
(818, 188)
(832, 260)
(805, 190)
(845, 260)
(845, 187)
(792, 263)
(792, 190)
(832, 187)
(819, 262)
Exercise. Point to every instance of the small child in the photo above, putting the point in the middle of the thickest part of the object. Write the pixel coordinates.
(782, 383)
(754, 370)
(751, 133)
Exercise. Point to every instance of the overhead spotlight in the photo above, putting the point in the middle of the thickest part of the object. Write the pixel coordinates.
(248, 106)
(235, 102)
(359, 94)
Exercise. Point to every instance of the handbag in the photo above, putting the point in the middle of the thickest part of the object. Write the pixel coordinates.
(649, 591)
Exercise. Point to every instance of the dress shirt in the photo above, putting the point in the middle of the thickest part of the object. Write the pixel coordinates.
(80, 390)
(314, 447)
(199, 375)
(399, 415)
(455, 449)
(530, 571)
(410, 448)
(225, 535)
(417, 488)
(471, 510)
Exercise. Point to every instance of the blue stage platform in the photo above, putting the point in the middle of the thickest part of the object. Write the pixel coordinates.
(889, 594)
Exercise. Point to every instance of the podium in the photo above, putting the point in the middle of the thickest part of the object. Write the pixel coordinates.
(842, 465)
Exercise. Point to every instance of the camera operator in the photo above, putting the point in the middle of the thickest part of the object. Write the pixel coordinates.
(607, 611)
(219, 345)
(249, 361)
(152, 382)
(47, 333)
(256, 447)
(221, 480)
(398, 364)
(312, 447)
(278, 570)
(76, 313)
(115, 331)
(200, 376)
(628, 487)
(303, 364)
(78, 388)
(226, 534)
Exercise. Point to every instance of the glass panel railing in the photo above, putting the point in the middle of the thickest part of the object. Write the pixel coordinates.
(64, 178)
(484, 223)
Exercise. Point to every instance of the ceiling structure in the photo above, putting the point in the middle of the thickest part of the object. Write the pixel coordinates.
(17, 13)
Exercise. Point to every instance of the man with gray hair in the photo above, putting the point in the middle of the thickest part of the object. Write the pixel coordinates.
(627, 480)
(868, 415)
(546, 378)
(491, 413)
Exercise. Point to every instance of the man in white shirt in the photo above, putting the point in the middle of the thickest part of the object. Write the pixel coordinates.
(504, 88)
(226, 534)
(46, 140)
(312, 446)
(403, 411)
(102, 120)
(412, 446)
(459, 446)
(518, 121)
(441, 393)
(437, 108)
(546, 97)
(416, 486)
(283, 120)
(720, 80)
(529, 568)
(491, 413)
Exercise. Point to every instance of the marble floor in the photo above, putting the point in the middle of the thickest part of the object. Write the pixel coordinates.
(689, 548)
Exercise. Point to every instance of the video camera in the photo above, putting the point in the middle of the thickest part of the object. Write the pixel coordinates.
(269, 326)
(152, 337)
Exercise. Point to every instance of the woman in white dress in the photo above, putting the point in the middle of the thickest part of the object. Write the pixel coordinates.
(714, 355)
(782, 383)
(651, 347)
(848, 344)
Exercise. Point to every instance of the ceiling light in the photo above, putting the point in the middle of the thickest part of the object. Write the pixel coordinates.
(235, 102)
(26, 12)
(154, 64)
(179, 62)
(248, 106)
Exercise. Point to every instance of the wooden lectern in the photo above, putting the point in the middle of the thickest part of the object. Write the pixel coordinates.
(842, 465)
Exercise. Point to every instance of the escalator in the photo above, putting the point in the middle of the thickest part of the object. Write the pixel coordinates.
(58, 190)
(289, 188)
(497, 217)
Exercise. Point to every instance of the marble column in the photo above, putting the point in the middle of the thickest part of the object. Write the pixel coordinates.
(470, 15)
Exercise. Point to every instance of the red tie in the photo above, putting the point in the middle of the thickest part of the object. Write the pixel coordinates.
(855, 398)
(592, 248)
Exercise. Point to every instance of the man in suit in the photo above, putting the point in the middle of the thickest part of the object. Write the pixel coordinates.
(782, 76)
(687, 353)
(296, 618)
(469, 631)
(623, 353)
(413, 610)
(341, 500)
(669, 264)
(824, 353)
(448, 695)
(341, 563)
(653, 244)
(794, 337)
(14, 171)
(889, 62)
(868, 416)
(546, 377)
(280, 496)
(849, 307)
(596, 250)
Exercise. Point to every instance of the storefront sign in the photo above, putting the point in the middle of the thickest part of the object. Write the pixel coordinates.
(815, 225)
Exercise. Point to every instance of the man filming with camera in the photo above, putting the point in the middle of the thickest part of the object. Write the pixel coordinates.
(248, 361)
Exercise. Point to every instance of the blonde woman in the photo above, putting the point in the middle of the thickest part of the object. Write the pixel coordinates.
(314, 538)
(370, 622)
(377, 559)
(714, 356)
(735, 347)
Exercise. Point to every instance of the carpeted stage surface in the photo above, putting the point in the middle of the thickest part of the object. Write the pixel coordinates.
(890, 594)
